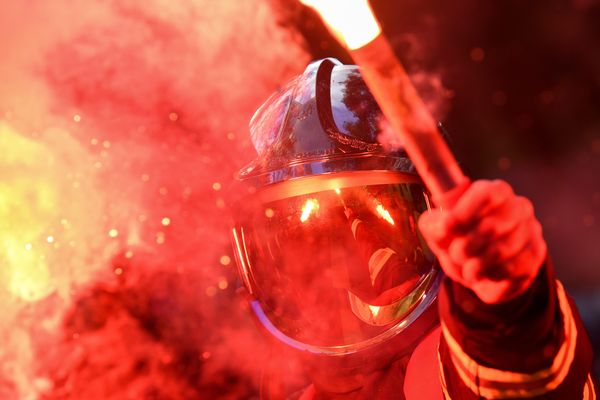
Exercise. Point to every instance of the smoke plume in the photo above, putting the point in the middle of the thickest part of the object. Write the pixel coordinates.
(121, 125)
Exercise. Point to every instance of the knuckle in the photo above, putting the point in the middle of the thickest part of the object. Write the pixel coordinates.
(457, 250)
(480, 184)
(537, 228)
(502, 185)
(480, 188)
(526, 207)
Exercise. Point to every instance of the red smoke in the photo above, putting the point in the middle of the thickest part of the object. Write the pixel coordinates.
(121, 125)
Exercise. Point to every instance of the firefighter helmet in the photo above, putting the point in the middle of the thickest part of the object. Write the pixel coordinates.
(325, 232)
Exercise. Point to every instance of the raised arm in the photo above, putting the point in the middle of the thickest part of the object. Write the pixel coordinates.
(509, 329)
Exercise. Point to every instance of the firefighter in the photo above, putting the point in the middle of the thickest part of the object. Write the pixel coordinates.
(373, 291)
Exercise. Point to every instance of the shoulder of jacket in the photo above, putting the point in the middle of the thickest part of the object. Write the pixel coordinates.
(422, 381)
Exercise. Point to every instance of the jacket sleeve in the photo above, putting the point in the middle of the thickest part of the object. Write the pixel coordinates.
(533, 347)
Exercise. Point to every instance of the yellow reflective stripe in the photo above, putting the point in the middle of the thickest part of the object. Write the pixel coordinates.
(443, 376)
(377, 262)
(498, 384)
(589, 392)
(468, 380)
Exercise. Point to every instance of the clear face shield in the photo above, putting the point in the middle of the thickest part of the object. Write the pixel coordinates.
(327, 242)
(335, 263)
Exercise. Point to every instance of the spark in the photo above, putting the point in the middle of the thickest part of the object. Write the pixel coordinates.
(307, 209)
(385, 214)
(166, 221)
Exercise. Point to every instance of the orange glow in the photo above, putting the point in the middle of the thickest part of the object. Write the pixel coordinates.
(385, 214)
(351, 21)
(37, 207)
(27, 201)
(310, 206)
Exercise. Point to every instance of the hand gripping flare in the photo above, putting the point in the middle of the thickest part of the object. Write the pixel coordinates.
(496, 250)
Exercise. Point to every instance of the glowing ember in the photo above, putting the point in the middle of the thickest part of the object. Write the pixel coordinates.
(352, 21)
(310, 206)
(225, 260)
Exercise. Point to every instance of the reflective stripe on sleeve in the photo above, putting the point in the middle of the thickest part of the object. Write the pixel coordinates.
(589, 392)
(443, 376)
(499, 384)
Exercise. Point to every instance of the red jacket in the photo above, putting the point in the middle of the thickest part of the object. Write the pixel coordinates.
(533, 347)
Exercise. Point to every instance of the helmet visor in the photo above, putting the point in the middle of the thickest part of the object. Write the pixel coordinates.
(335, 261)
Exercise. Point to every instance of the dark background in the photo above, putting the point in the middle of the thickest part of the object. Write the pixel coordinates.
(520, 97)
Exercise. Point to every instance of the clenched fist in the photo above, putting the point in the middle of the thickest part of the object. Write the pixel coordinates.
(489, 241)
